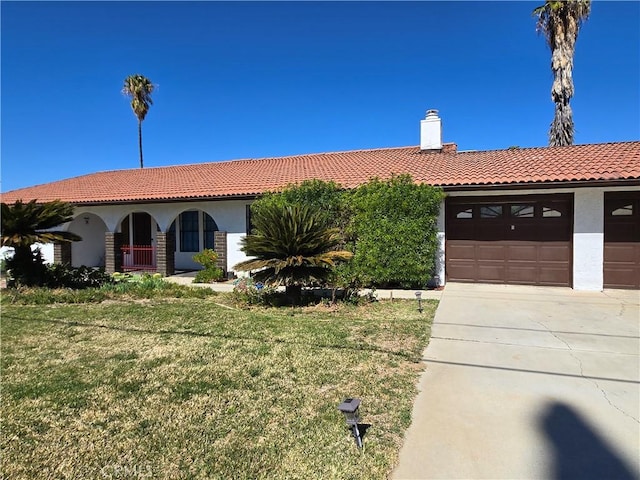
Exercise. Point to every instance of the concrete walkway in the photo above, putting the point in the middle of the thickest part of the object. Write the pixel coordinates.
(528, 383)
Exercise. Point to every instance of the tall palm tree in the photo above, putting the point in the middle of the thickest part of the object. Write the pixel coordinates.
(291, 246)
(139, 88)
(24, 224)
(560, 22)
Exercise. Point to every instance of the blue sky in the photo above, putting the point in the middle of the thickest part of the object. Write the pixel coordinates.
(259, 79)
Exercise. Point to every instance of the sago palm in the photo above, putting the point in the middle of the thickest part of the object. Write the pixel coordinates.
(24, 224)
(291, 246)
(139, 88)
(560, 23)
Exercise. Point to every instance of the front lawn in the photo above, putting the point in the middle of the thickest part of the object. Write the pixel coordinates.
(189, 388)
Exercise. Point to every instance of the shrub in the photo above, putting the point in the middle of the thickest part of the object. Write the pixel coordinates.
(292, 246)
(26, 269)
(211, 272)
(389, 225)
(393, 232)
(323, 198)
(248, 292)
(65, 276)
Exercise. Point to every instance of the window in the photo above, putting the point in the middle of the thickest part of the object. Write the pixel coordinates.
(522, 211)
(209, 228)
(491, 211)
(249, 223)
(550, 212)
(623, 211)
(189, 232)
(464, 212)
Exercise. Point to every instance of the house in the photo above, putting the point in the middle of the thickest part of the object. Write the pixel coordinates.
(566, 216)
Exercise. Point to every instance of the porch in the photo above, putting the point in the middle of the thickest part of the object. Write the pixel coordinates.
(138, 258)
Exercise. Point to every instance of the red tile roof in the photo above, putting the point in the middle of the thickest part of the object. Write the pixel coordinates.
(545, 165)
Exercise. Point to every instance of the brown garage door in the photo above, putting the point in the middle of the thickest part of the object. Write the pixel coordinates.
(622, 240)
(515, 240)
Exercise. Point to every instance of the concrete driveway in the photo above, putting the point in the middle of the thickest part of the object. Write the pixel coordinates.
(528, 383)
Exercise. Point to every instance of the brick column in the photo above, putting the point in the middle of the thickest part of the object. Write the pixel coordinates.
(62, 253)
(165, 253)
(220, 247)
(112, 254)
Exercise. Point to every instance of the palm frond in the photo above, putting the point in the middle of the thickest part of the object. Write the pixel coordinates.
(24, 224)
(291, 246)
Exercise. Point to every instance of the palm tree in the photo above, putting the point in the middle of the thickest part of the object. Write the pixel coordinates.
(560, 22)
(292, 246)
(24, 224)
(139, 88)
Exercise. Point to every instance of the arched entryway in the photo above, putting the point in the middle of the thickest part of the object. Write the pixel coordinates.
(194, 231)
(138, 242)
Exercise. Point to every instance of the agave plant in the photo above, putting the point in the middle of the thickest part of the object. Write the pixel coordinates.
(291, 246)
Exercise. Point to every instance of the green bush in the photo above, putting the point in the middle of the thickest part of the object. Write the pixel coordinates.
(211, 272)
(65, 276)
(393, 232)
(323, 198)
(389, 225)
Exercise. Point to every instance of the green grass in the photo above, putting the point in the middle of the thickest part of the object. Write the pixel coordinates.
(186, 388)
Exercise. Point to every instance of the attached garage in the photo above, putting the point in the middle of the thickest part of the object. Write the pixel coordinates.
(513, 240)
(622, 240)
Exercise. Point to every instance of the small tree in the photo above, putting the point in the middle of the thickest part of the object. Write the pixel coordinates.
(24, 224)
(394, 232)
(291, 246)
(211, 272)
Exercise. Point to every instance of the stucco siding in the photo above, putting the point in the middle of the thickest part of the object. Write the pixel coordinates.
(588, 239)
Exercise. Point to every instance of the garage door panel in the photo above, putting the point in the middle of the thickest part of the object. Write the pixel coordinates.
(554, 275)
(491, 251)
(462, 251)
(620, 252)
(520, 273)
(491, 272)
(462, 271)
(621, 277)
(522, 252)
(533, 263)
(555, 253)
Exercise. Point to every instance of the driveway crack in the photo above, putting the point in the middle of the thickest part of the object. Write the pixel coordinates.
(577, 359)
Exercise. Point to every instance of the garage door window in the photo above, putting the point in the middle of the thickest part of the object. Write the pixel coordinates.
(551, 212)
(623, 211)
(464, 212)
(491, 211)
(522, 211)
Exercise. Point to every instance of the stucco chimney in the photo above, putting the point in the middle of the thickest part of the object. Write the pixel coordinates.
(431, 131)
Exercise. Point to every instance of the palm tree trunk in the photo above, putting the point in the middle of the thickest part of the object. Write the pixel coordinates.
(140, 142)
